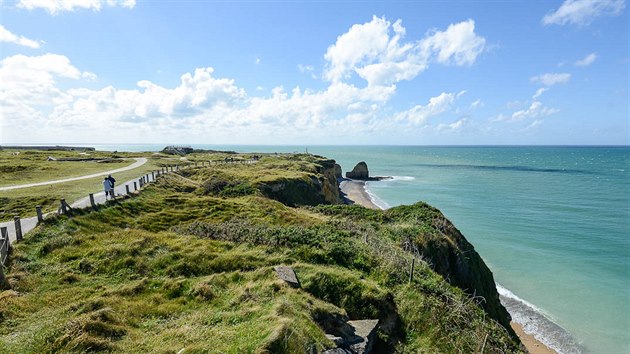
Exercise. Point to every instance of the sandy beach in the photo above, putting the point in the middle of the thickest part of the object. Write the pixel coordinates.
(354, 192)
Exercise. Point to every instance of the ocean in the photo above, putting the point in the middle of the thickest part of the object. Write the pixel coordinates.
(552, 223)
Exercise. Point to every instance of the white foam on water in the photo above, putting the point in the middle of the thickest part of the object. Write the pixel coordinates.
(537, 323)
(403, 178)
(376, 200)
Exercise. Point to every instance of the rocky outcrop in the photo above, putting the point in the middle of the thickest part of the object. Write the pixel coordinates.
(360, 171)
(338, 173)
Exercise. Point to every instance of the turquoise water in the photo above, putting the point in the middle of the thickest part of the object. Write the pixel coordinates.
(553, 224)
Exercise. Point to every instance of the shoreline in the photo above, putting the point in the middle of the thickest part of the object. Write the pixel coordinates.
(354, 192)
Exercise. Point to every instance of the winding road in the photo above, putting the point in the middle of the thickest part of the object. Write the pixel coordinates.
(139, 162)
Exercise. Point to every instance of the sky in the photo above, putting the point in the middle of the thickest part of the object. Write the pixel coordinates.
(314, 72)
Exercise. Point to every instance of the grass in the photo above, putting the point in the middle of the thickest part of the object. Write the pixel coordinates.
(32, 166)
(183, 266)
(23, 201)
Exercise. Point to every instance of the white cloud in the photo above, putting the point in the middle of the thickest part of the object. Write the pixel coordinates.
(457, 45)
(56, 6)
(33, 79)
(305, 68)
(375, 51)
(7, 36)
(420, 114)
(455, 126)
(477, 104)
(550, 79)
(257, 61)
(534, 124)
(535, 110)
(47, 95)
(582, 12)
(201, 103)
(539, 92)
(588, 60)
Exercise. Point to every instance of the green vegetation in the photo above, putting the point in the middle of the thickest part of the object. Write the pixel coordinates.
(31, 166)
(188, 264)
(22, 167)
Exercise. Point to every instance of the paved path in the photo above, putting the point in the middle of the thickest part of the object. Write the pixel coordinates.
(139, 162)
(29, 224)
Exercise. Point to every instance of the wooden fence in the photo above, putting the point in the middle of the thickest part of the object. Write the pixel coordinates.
(65, 208)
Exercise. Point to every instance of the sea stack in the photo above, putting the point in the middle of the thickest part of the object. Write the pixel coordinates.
(360, 171)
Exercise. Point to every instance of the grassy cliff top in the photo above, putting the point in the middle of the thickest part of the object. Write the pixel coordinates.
(189, 264)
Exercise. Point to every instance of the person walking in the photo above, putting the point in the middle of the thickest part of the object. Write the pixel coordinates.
(107, 186)
(112, 181)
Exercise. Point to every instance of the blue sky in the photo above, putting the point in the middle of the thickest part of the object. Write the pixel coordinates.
(317, 72)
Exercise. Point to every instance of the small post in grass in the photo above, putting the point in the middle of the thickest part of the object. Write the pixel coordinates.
(92, 204)
(40, 215)
(127, 189)
(153, 175)
(413, 265)
(135, 186)
(7, 242)
(18, 228)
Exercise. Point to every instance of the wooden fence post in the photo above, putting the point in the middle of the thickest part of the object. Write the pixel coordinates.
(413, 264)
(135, 186)
(5, 234)
(40, 216)
(4, 241)
(92, 204)
(127, 188)
(18, 228)
(153, 175)
(64, 208)
(7, 241)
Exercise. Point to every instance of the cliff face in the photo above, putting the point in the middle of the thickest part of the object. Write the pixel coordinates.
(310, 189)
(453, 257)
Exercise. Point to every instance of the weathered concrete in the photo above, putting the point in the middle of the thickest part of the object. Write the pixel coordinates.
(288, 275)
(353, 336)
(366, 330)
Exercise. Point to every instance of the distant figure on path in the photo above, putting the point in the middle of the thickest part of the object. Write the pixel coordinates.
(107, 186)
(112, 181)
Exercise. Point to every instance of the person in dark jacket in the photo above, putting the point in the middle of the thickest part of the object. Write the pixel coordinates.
(112, 181)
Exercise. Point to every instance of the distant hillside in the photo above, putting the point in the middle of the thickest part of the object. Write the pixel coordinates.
(189, 264)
